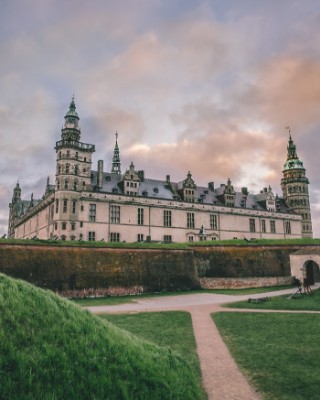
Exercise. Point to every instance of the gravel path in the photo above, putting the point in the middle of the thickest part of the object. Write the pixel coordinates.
(221, 376)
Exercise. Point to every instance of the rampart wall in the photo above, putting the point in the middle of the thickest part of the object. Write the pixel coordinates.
(87, 271)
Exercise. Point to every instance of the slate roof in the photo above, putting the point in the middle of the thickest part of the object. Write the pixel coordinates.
(160, 189)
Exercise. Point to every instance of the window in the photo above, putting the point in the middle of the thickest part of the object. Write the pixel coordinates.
(252, 225)
(288, 228)
(140, 216)
(76, 155)
(66, 184)
(74, 205)
(57, 205)
(115, 214)
(73, 226)
(64, 226)
(75, 185)
(58, 184)
(67, 168)
(63, 237)
(273, 226)
(65, 205)
(68, 153)
(81, 224)
(114, 237)
(190, 238)
(55, 226)
(140, 237)
(91, 236)
(92, 212)
(213, 221)
(167, 238)
(190, 220)
(76, 169)
(167, 218)
(80, 236)
(263, 226)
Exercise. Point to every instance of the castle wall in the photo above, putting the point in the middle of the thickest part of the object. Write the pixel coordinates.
(103, 270)
(78, 271)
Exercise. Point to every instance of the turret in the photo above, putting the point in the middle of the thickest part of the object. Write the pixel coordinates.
(116, 164)
(294, 186)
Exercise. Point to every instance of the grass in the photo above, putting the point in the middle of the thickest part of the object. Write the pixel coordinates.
(51, 349)
(168, 246)
(279, 352)
(301, 302)
(109, 301)
(173, 329)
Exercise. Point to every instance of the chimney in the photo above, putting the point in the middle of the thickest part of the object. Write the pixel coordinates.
(211, 186)
(141, 175)
(244, 191)
(168, 178)
(100, 174)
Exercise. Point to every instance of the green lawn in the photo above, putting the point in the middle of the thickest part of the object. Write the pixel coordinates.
(172, 329)
(279, 351)
(300, 302)
(109, 301)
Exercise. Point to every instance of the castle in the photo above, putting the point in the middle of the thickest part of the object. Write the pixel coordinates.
(89, 205)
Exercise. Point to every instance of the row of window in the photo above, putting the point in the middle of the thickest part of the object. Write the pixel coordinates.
(299, 202)
(68, 155)
(252, 226)
(114, 237)
(297, 189)
(67, 169)
(70, 184)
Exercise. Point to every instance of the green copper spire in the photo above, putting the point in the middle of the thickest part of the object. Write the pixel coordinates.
(71, 130)
(293, 161)
(116, 164)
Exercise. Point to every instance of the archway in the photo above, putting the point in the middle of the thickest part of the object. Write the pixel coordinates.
(311, 272)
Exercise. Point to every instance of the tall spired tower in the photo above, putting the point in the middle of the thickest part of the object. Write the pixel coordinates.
(294, 185)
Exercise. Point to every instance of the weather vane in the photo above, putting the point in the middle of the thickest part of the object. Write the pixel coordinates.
(288, 128)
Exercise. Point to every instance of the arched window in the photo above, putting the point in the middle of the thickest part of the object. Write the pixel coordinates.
(76, 169)
(75, 185)
(67, 168)
(66, 184)
(58, 184)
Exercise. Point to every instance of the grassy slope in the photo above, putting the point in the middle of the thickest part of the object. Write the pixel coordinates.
(50, 349)
(280, 352)
(170, 328)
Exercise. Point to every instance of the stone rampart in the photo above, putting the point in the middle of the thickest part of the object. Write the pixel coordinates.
(85, 271)
(88, 271)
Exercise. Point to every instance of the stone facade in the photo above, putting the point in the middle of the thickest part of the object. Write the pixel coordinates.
(85, 204)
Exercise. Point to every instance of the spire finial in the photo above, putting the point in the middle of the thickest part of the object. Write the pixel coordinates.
(117, 136)
(289, 130)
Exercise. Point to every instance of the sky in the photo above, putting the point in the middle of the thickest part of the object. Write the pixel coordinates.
(206, 86)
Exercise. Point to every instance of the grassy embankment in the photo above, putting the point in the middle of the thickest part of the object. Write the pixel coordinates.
(158, 245)
(173, 329)
(51, 349)
(279, 351)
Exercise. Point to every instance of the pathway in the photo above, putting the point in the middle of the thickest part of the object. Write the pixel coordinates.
(221, 376)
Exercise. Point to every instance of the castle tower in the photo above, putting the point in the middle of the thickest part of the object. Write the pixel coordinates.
(73, 173)
(294, 185)
(13, 209)
(116, 164)
(73, 157)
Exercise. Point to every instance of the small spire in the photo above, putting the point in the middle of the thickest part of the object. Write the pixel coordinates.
(116, 164)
